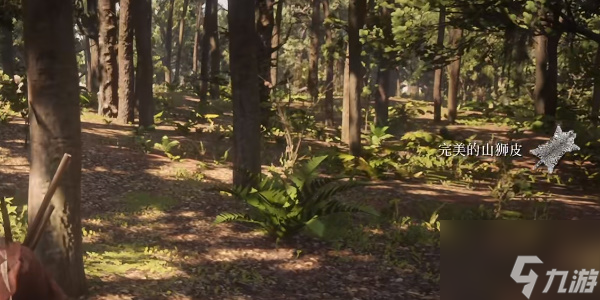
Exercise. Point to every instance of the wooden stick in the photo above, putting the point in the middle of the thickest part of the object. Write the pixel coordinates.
(38, 234)
(37, 224)
(5, 223)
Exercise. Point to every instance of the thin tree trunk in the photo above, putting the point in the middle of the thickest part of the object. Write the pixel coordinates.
(180, 40)
(356, 18)
(454, 76)
(276, 41)
(55, 129)
(541, 62)
(382, 98)
(546, 72)
(246, 103)
(126, 73)
(329, 78)
(88, 63)
(169, 42)
(210, 31)
(439, 72)
(95, 67)
(7, 52)
(264, 28)
(144, 69)
(346, 100)
(596, 95)
(215, 59)
(198, 36)
(315, 45)
(109, 89)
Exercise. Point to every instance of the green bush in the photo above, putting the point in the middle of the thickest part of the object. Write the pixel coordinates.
(283, 207)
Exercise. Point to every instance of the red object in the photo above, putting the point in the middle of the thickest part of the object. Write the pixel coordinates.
(24, 277)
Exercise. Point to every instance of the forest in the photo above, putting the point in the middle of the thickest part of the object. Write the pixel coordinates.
(286, 149)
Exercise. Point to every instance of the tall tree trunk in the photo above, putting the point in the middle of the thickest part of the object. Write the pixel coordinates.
(95, 67)
(215, 59)
(384, 73)
(454, 75)
(144, 69)
(126, 74)
(546, 73)
(208, 42)
(169, 42)
(198, 36)
(246, 103)
(382, 98)
(439, 72)
(356, 18)
(596, 95)
(55, 129)
(264, 28)
(315, 45)
(346, 99)
(330, 60)
(109, 89)
(180, 40)
(7, 52)
(276, 41)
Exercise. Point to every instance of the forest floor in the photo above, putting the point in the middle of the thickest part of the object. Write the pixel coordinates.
(149, 232)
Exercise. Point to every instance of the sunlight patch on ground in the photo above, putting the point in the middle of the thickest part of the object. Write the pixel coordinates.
(230, 254)
(300, 265)
(132, 262)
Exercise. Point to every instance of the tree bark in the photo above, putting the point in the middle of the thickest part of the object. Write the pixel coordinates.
(346, 99)
(7, 52)
(208, 45)
(215, 59)
(95, 67)
(109, 89)
(546, 73)
(454, 75)
(356, 18)
(246, 103)
(144, 69)
(439, 72)
(596, 95)
(329, 75)
(198, 36)
(169, 42)
(180, 40)
(276, 41)
(383, 74)
(55, 129)
(264, 29)
(126, 73)
(315, 45)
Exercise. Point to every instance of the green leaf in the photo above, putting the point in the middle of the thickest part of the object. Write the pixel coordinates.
(316, 226)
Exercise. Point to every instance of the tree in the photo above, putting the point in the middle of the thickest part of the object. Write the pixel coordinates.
(109, 88)
(346, 99)
(439, 72)
(90, 23)
(384, 69)
(180, 40)
(198, 35)
(144, 69)
(313, 58)
(356, 18)
(126, 74)
(454, 75)
(209, 44)
(276, 41)
(329, 60)
(596, 93)
(7, 53)
(215, 59)
(55, 129)
(246, 103)
(169, 42)
(264, 28)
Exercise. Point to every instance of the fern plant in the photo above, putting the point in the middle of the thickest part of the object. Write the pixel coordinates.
(167, 146)
(284, 206)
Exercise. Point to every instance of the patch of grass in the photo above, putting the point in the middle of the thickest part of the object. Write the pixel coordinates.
(142, 201)
(129, 261)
